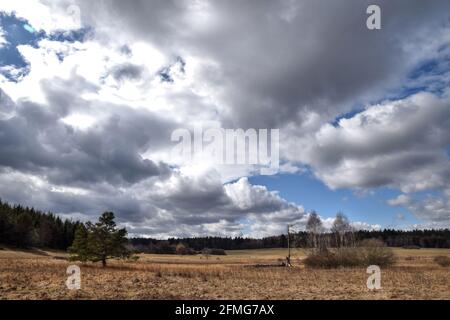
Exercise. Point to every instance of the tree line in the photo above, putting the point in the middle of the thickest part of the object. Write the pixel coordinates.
(391, 237)
(26, 227)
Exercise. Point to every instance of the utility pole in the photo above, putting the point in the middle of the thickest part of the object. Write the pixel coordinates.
(289, 242)
(288, 258)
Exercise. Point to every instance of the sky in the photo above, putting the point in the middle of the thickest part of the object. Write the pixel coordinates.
(91, 93)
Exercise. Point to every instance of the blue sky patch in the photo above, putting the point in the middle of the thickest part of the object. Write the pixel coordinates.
(17, 32)
(29, 28)
(165, 73)
(347, 115)
(313, 194)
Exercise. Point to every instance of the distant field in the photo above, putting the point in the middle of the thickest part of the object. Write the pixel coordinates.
(241, 274)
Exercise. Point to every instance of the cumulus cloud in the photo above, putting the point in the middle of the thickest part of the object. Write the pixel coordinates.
(273, 73)
(36, 140)
(203, 202)
(49, 16)
(280, 67)
(365, 226)
(435, 211)
(170, 206)
(399, 143)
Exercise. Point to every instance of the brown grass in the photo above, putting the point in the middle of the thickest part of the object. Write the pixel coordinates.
(42, 275)
(443, 261)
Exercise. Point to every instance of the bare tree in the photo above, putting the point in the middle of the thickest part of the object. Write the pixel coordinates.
(342, 231)
(315, 228)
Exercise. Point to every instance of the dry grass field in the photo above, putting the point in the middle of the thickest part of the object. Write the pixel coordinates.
(243, 274)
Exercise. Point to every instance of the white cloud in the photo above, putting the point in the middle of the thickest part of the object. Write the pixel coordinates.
(49, 16)
(401, 200)
(433, 210)
(365, 226)
(398, 143)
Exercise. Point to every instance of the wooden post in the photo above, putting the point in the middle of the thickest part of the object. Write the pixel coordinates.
(288, 258)
(288, 242)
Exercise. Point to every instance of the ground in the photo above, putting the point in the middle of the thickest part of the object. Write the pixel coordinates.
(240, 274)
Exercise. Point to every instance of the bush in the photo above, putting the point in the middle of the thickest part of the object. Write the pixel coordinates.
(217, 252)
(443, 261)
(182, 249)
(369, 252)
(342, 257)
(320, 260)
(375, 252)
(214, 252)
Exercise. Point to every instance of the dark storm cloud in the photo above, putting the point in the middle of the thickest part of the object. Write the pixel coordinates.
(37, 141)
(279, 59)
(85, 204)
(6, 104)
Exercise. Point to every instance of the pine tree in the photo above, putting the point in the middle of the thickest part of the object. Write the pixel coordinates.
(24, 230)
(79, 248)
(101, 241)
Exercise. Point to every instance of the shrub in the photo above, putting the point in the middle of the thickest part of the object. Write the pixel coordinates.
(341, 257)
(369, 252)
(443, 261)
(217, 252)
(182, 249)
(213, 252)
(375, 252)
(320, 260)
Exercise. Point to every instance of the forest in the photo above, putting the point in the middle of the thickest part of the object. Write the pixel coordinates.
(392, 238)
(26, 227)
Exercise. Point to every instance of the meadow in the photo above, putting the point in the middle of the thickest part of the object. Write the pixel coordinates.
(241, 274)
